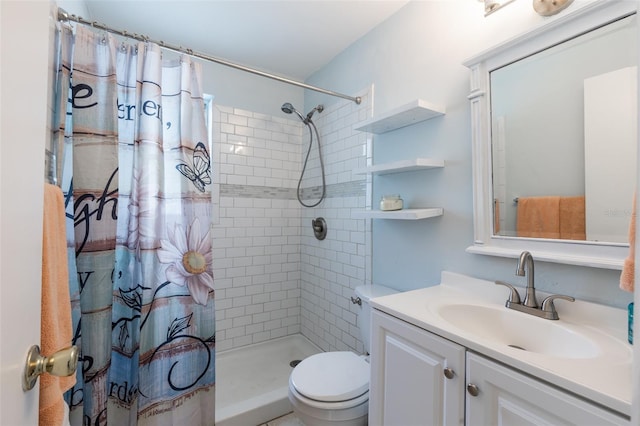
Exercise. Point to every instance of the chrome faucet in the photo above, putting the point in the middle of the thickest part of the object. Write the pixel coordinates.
(530, 304)
(527, 260)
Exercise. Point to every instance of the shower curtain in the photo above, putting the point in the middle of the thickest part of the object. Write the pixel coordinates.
(136, 175)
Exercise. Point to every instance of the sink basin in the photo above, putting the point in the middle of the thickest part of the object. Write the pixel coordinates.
(519, 331)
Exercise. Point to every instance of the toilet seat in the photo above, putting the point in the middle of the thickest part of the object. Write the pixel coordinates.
(328, 378)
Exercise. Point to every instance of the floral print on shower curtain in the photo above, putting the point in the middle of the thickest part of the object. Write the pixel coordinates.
(137, 181)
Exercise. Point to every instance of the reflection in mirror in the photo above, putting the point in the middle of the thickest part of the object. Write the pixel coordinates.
(563, 125)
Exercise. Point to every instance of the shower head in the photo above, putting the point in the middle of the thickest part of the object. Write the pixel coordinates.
(319, 108)
(287, 108)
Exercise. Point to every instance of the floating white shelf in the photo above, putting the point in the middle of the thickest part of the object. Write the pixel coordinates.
(406, 115)
(401, 166)
(405, 214)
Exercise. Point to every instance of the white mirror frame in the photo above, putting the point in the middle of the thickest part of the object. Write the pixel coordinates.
(583, 253)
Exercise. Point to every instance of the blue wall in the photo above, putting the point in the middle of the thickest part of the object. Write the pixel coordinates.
(418, 53)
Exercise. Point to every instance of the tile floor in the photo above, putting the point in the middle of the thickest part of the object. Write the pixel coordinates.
(286, 420)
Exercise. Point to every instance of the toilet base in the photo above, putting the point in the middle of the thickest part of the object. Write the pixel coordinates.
(313, 421)
(312, 416)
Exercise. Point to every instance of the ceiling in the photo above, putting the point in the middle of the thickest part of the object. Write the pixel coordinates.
(291, 38)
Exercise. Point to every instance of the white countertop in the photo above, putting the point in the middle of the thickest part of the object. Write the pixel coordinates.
(604, 378)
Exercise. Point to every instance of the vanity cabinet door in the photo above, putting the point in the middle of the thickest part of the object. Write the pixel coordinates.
(505, 397)
(417, 378)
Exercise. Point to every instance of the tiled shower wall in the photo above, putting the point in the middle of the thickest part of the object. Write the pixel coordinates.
(332, 268)
(256, 242)
(272, 277)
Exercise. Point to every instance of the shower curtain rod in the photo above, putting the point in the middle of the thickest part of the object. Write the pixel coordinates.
(64, 16)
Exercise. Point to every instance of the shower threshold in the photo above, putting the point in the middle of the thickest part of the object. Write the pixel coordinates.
(252, 381)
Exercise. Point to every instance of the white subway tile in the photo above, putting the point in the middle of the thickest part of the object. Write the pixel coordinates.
(273, 324)
(261, 337)
(234, 312)
(243, 112)
(266, 261)
(255, 181)
(241, 341)
(227, 128)
(259, 298)
(256, 308)
(254, 329)
(241, 322)
(244, 131)
(236, 180)
(237, 120)
(261, 317)
(241, 281)
(262, 134)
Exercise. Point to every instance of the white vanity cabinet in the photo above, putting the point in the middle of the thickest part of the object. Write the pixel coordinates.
(417, 378)
(504, 396)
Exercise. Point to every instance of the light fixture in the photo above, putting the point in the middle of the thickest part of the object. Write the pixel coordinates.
(491, 6)
(550, 7)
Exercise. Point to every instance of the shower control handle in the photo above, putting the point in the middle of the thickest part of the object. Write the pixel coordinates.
(319, 226)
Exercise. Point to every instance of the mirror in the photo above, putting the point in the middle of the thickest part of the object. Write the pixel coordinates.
(563, 138)
(553, 131)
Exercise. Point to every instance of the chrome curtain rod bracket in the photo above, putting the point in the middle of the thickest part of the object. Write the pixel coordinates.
(63, 15)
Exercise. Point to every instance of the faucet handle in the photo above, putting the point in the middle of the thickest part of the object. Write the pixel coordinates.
(514, 296)
(549, 308)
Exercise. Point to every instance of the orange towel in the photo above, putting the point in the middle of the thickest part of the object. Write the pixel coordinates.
(572, 218)
(627, 277)
(55, 323)
(538, 217)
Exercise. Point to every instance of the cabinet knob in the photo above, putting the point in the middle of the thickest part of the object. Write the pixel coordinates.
(473, 389)
(449, 373)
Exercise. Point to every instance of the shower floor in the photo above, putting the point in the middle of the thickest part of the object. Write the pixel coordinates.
(252, 381)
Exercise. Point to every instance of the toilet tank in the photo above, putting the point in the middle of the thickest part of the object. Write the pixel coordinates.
(366, 293)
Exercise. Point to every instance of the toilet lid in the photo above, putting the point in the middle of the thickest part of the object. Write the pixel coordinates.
(331, 376)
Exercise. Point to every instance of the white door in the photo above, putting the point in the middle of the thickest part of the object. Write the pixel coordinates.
(610, 151)
(24, 41)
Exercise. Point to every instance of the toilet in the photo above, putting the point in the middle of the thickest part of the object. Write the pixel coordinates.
(332, 388)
